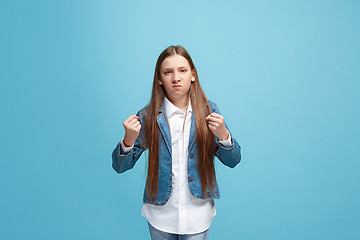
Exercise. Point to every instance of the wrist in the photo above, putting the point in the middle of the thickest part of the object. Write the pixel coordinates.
(127, 143)
(225, 136)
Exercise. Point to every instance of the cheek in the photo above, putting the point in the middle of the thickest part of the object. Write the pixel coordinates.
(167, 84)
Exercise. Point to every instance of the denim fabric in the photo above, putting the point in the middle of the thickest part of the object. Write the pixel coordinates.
(229, 156)
(156, 234)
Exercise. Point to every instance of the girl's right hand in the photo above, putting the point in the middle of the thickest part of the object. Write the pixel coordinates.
(132, 128)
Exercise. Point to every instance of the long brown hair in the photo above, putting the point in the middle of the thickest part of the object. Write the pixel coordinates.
(205, 140)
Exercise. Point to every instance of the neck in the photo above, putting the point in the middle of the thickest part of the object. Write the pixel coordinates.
(181, 103)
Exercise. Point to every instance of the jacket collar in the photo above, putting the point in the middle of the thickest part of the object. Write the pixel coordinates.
(170, 108)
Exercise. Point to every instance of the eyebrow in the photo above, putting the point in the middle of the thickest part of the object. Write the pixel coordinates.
(171, 68)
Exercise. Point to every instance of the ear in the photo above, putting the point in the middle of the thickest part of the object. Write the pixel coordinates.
(160, 82)
(193, 75)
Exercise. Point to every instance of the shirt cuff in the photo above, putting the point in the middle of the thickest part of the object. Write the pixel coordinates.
(227, 142)
(124, 149)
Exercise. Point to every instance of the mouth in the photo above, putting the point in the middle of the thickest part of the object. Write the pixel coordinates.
(176, 86)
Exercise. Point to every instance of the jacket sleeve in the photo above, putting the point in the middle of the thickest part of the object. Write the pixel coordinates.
(229, 156)
(121, 161)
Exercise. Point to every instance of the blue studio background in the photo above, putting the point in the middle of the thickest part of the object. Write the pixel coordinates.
(285, 75)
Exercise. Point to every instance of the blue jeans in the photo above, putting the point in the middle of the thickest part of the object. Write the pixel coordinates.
(156, 234)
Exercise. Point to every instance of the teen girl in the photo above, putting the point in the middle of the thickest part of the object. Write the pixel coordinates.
(183, 131)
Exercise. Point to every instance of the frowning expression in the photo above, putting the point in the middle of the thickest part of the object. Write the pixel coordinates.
(176, 76)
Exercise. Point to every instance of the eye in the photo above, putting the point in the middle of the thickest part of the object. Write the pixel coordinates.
(183, 70)
(167, 72)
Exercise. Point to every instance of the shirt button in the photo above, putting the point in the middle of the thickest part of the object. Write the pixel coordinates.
(191, 155)
(191, 178)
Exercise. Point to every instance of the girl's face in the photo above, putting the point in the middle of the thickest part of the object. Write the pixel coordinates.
(176, 76)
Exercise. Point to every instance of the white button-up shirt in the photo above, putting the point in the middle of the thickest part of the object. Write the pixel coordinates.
(182, 213)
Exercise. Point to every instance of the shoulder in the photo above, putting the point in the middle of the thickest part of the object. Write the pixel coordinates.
(142, 113)
(213, 106)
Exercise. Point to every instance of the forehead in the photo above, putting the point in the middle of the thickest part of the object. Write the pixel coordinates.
(174, 61)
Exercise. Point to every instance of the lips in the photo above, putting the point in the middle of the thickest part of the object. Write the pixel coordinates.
(176, 86)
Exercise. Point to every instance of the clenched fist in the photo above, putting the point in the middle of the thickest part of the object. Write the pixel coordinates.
(217, 126)
(132, 129)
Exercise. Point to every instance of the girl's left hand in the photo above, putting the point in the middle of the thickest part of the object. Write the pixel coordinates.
(217, 126)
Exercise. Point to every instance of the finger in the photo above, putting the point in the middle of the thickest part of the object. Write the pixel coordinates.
(138, 128)
(211, 127)
(136, 124)
(216, 115)
(214, 120)
(209, 118)
(211, 122)
(127, 120)
(133, 121)
(214, 124)
(131, 117)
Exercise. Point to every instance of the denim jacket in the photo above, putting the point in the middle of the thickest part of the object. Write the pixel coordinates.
(229, 156)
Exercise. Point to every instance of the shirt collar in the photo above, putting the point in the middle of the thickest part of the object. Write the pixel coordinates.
(170, 108)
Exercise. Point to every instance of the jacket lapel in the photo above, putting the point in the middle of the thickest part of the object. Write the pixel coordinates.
(192, 132)
(164, 129)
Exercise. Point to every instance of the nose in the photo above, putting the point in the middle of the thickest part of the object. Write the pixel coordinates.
(176, 77)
